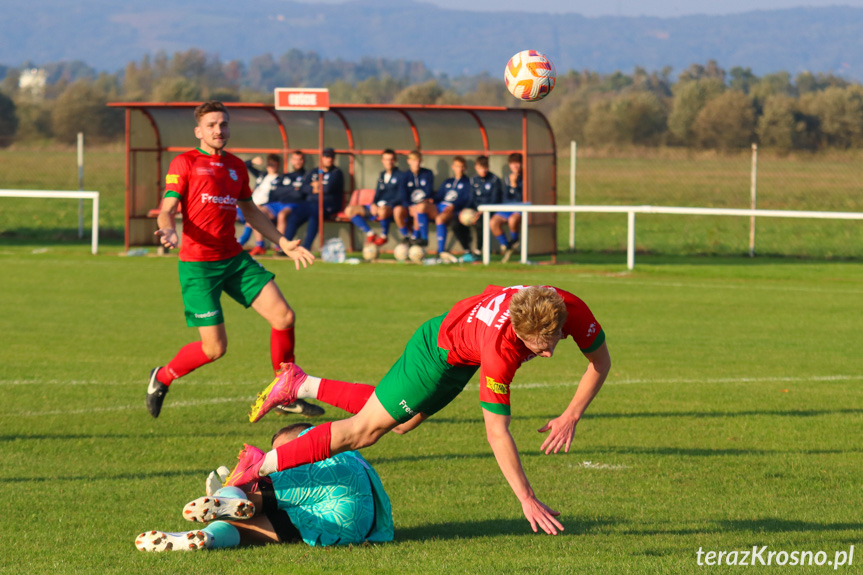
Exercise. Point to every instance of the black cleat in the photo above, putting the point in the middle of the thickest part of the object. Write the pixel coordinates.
(423, 243)
(156, 391)
(300, 407)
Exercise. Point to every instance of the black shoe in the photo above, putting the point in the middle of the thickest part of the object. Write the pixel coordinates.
(300, 407)
(408, 241)
(422, 242)
(156, 391)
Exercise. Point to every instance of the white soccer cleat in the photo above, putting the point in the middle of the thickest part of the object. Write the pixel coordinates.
(164, 541)
(213, 483)
(204, 509)
(216, 480)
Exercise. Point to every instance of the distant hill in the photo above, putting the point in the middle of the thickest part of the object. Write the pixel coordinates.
(108, 34)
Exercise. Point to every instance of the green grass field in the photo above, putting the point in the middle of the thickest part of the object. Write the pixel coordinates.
(732, 416)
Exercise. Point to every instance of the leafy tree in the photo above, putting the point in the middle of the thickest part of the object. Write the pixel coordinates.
(82, 108)
(8, 120)
(742, 79)
(690, 96)
(175, 89)
(726, 122)
(570, 118)
(637, 118)
(840, 116)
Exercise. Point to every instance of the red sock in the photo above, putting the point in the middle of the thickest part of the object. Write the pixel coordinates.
(311, 447)
(188, 359)
(281, 346)
(348, 396)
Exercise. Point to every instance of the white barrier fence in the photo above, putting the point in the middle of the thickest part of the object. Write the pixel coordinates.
(94, 244)
(630, 212)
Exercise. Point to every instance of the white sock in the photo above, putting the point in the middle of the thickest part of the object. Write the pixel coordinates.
(309, 389)
(270, 464)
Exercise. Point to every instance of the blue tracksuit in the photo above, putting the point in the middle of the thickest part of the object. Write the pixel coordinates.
(487, 190)
(388, 192)
(512, 195)
(289, 188)
(307, 211)
(416, 188)
(454, 192)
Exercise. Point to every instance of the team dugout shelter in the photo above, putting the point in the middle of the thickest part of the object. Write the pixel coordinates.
(158, 132)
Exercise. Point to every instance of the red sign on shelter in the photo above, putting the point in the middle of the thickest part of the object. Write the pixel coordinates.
(302, 99)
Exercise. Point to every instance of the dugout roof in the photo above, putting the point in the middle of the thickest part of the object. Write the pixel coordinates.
(157, 132)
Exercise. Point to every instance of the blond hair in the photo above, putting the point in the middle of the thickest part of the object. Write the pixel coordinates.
(537, 312)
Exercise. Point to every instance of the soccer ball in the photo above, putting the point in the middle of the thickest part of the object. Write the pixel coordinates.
(416, 254)
(370, 252)
(466, 216)
(401, 252)
(529, 76)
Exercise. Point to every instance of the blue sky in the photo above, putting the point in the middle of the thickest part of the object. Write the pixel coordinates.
(660, 8)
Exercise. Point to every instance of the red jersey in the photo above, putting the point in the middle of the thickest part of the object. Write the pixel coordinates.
(209, 187)
(478, 331)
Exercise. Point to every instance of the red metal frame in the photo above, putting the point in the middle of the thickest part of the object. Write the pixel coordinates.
(351, 151)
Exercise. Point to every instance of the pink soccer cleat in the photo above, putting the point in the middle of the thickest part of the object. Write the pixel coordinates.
(248, 463)
(282, 390)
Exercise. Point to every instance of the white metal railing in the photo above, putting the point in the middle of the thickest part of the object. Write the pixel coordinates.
(81, 195)
(630, 211)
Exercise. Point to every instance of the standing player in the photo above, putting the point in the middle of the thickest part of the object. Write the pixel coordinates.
(513, 193)
(386, 198)
(453, 195)
(496, 332)
(417, 200)
(211, 183)
(486, 188)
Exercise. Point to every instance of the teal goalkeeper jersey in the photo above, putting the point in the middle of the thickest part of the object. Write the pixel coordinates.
(338, 501)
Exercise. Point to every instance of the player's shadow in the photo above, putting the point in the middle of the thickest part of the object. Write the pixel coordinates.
(96, 478)
(760, 525)
(493, 527)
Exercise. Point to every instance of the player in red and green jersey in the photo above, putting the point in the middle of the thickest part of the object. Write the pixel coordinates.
(495, 332)
(211, 183)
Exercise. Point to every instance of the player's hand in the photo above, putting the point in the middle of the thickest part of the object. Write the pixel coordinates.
(257, 161)
(541, 516)
(477, 217)
(168, 237)
(296, 252)
(562, 431)
(513, 180)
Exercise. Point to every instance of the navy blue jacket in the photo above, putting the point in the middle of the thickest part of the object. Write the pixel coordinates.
(289, 188)
(416, 188)
(334, 189)
(389, 191)
(512, 195)
(455, 192)
(487, 190)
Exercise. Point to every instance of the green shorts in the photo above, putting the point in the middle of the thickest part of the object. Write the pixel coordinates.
(422, 381)
(241, 277)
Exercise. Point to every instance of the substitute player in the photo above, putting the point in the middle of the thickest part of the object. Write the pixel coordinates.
(386, 199)
(211, 183)
(486, 188)
(417, 201)
(451, 198)
(496, 332)
(513, 193)
(340, 501)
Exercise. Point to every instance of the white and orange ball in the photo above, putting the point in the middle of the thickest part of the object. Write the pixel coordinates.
(530, 75)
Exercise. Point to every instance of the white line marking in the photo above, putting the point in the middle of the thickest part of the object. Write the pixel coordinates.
(138, 407)
(534, 385)
(596, 465)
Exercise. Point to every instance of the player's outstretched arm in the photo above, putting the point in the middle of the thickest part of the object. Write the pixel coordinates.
(260, 222)
(563, 428)
(167, 231)
(502, 444)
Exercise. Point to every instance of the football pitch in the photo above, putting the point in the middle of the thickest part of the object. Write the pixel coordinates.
(732, 417)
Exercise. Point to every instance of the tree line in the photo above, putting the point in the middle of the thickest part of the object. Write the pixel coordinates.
(704, 107)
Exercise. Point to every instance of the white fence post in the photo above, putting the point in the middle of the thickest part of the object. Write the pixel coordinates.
(572, 150)
(486, 239)
(630, 240)
(523, 236)
(80, 184)
(752, 196)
